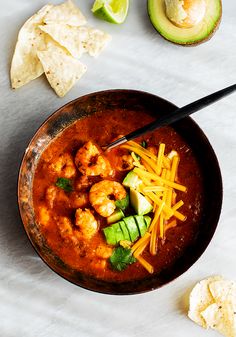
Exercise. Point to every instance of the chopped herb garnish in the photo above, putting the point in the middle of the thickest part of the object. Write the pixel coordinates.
(144, 144)
(121, 258)
(64, 184)
(123, 203)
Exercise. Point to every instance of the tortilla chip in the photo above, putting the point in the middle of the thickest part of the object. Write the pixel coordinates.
(66, 13)
(25, 65)
(69, 37)
(200, 299)
(62, 70)
(78, 40)
(96, 42)
(224, 291)
(221, 318)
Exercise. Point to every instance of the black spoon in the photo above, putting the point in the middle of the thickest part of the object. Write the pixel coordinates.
(174, 116)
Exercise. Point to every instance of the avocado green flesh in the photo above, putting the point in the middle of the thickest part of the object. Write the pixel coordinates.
(124, 230)
(139, 202)
(132, 228)
(116, 216)
(131, 180)
(141, 224)
(118, 232)
(202, 31)
(123, 203)
(147, 221)
(110, 235)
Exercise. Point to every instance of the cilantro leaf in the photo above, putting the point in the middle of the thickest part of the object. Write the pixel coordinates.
(121, 258)
(144, 144)
(64, 184)
(123, 203)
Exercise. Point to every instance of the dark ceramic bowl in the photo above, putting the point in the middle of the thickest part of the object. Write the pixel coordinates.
(122, 99)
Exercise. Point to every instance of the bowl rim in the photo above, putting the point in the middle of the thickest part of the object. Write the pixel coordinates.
(220, 183)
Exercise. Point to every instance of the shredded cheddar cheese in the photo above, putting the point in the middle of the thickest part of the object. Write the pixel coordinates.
(174, 168)
(171, 224)
(160, 158)
(145, 264)
(139, 247)
(178, 205)
(140, 241)
(160, 185)
(154, 239)
(142, 173)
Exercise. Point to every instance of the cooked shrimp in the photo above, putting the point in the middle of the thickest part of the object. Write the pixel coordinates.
(50, 195)
(91, 162)
(86, 223)
(100, 196)
(55, 195)
(99, 264)
(44, 215)
(79, 199)
(63, 166)
(120, 158)
(124, 163)
(66, 230)
(103, 251)
(82, 183)
(65, 226)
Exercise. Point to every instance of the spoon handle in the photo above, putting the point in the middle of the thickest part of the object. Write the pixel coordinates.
(175, 115)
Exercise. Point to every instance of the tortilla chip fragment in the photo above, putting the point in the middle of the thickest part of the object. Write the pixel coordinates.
(213, 305)
(65, 13)
(200, 299)
(221, 317)
(25, 65)
(62, 70)
(224, 291)
(78, 40)
(96, 42)
(67, 36)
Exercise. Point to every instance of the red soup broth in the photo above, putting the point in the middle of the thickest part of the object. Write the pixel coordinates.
(101, 128)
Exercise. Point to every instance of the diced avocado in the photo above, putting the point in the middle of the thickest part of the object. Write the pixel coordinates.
(124, 230)
(116, 216)
(118, 232)
(139, 202)
(110, 235)
(129, 229)
(123, 203)
(132, 228)
(141, 224)
(173, 28)
(147, 220)
(132, 180)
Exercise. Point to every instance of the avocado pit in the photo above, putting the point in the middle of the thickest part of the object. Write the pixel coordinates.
(185, 13)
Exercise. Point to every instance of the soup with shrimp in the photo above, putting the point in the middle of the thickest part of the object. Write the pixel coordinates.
(121, 214)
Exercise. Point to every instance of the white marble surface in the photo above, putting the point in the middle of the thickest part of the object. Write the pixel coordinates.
(34, 301)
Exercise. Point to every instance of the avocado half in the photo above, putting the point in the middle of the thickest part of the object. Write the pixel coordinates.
(202, 32)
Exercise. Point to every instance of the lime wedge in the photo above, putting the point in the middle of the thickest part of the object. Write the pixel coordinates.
(114, 11)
